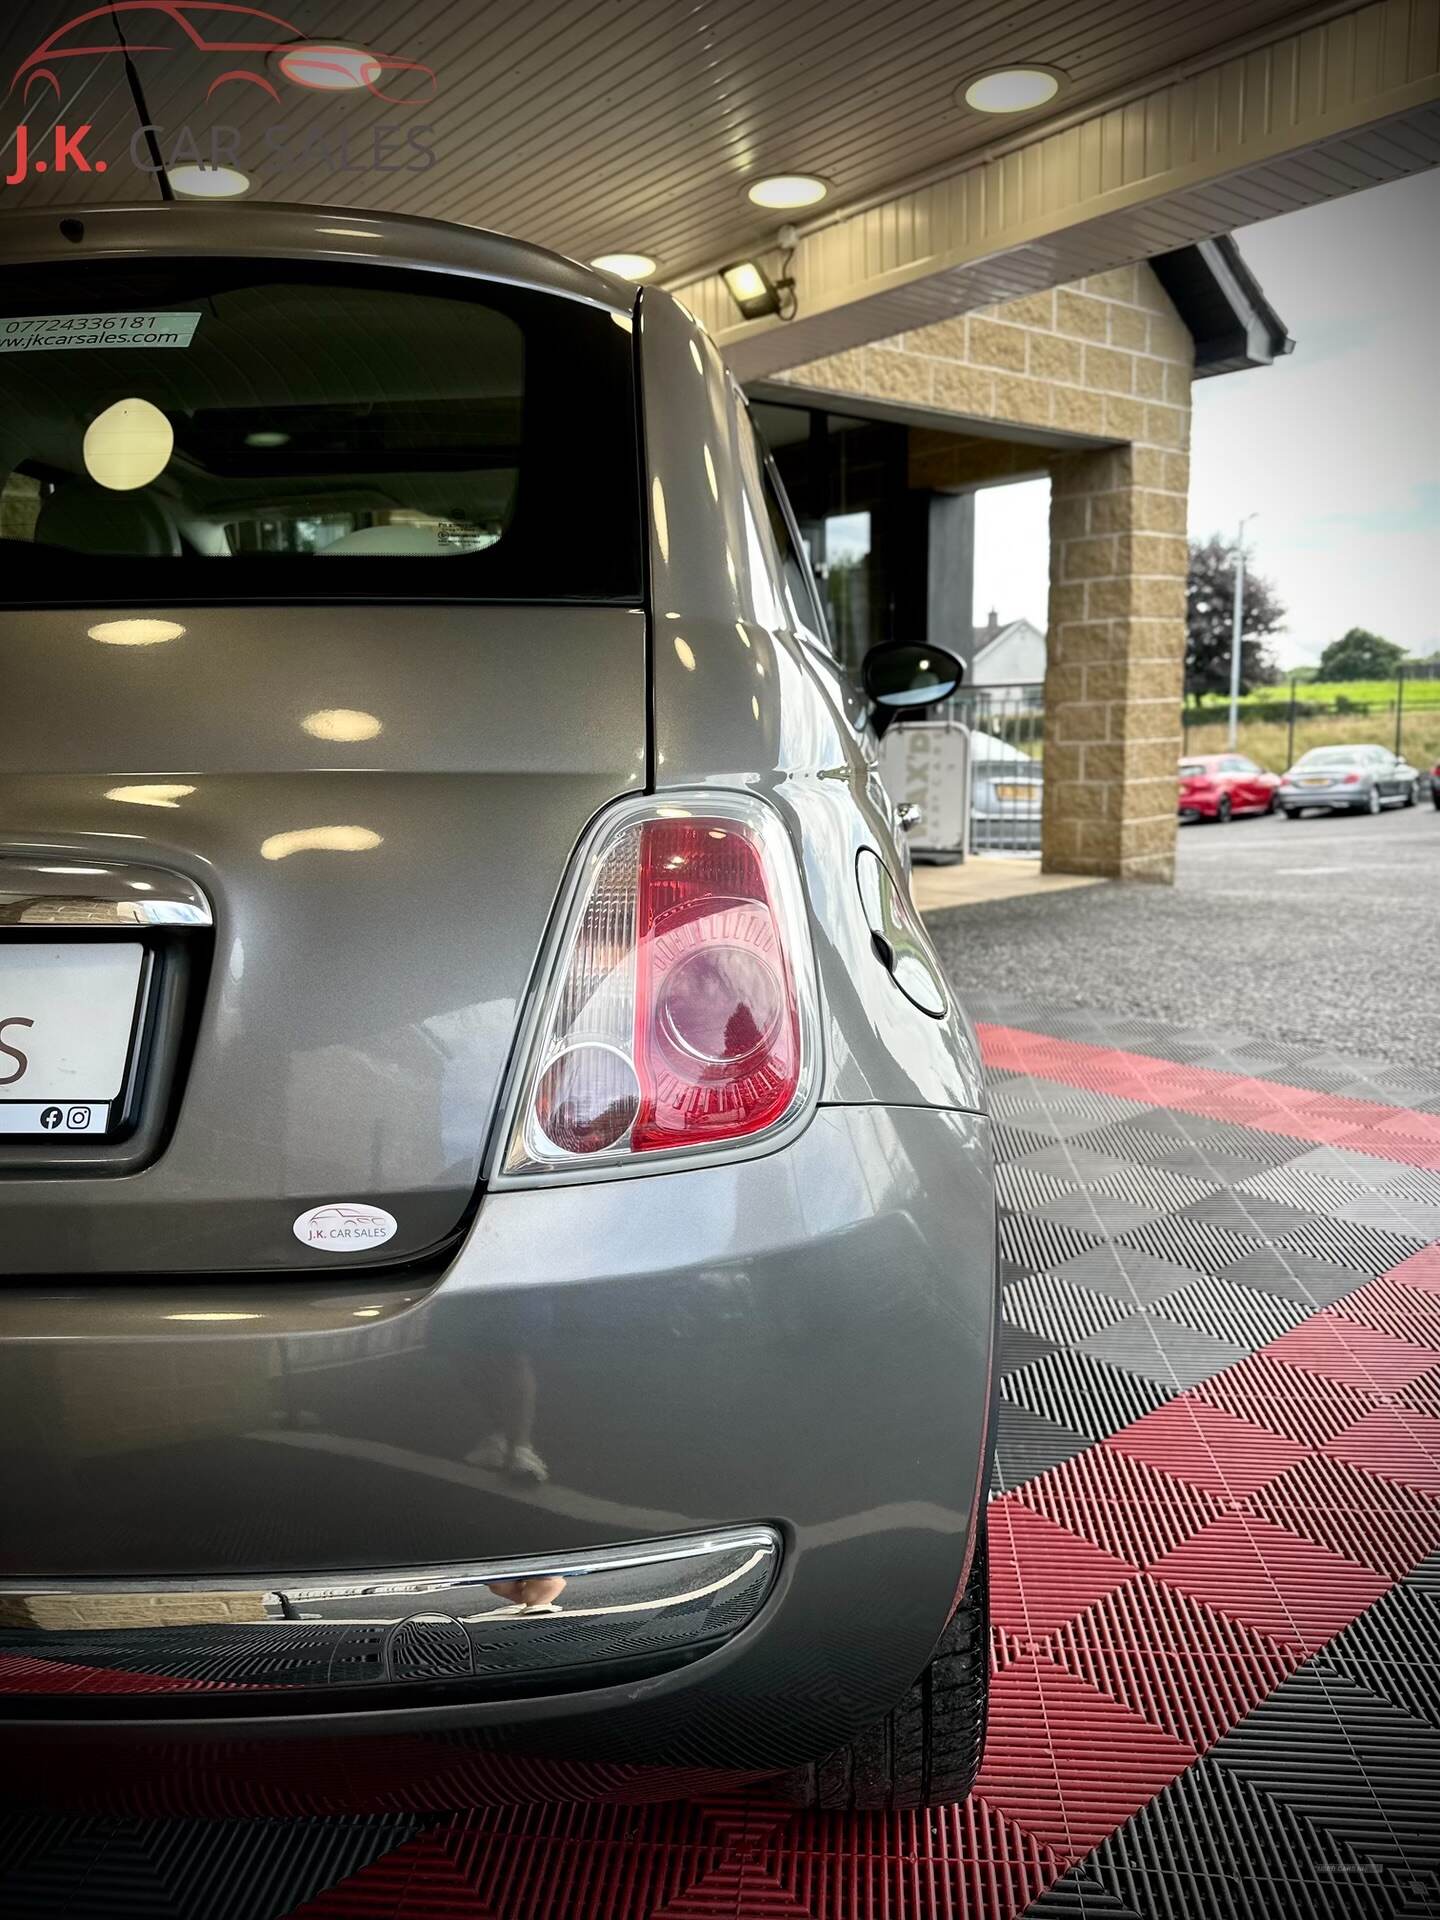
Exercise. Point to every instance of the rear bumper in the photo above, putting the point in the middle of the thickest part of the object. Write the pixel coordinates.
(474, 1631)
(793, 1350)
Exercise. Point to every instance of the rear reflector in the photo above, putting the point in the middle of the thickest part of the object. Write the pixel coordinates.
(680, 1010)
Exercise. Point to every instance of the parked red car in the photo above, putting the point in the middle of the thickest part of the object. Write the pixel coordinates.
(1216, 786)
(1435, 785)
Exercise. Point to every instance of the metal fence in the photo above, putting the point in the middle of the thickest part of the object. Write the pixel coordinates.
(1004, 728)
(1277, 724)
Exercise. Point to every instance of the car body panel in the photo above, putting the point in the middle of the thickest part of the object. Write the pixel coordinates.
(1224, 776)
(320, 1052)
(798, 1338)
(743, 698)
(1323, 783)
(686, 1378)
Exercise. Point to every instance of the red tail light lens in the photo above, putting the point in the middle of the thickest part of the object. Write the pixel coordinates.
(681, 1009)
(717, 1027)
(1351, 780)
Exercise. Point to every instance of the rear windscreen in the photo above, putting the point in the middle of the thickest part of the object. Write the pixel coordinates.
(245, 430)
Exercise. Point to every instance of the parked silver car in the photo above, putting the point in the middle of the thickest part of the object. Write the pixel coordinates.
(497, 1202)
(1361, 779)
(1007, 788)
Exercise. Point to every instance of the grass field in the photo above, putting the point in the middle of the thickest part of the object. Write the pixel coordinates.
(1367, 714)
(1265, 741)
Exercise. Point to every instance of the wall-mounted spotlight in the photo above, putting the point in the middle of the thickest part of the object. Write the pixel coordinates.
(753, 291)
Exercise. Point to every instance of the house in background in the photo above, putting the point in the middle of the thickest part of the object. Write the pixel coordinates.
(1007, 655)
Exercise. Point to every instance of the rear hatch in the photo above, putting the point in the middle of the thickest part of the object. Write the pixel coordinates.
(1195, 781)
(322, 617)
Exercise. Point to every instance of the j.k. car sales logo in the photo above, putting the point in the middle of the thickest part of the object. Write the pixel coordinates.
(242, 53)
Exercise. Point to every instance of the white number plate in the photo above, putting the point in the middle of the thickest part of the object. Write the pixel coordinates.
(66, 1015)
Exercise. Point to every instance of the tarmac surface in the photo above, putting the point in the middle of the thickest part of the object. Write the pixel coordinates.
(1313, 930)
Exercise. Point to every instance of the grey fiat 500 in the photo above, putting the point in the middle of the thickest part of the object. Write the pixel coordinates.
(496, 1204)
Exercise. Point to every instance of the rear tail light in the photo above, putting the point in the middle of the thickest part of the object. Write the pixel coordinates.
(1351, 780)
(679, 1012)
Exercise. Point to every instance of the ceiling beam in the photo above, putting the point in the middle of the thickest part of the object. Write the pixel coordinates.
(1315, 113)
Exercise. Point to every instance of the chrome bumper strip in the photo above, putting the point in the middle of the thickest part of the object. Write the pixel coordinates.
(501, 1624)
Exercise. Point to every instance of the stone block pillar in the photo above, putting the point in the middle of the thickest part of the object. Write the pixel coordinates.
(1113, 681)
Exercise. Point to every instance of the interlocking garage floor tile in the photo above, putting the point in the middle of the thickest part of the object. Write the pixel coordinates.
(1157, 1349)
(1062, 1313)
(1134, 1278)
(1209, 1448)
(1294, 1276)
(1019, 1346)
(1027, 1443)
(1216, 1552)
(1079, 1390)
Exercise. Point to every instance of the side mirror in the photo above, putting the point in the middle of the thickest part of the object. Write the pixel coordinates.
(899, 674)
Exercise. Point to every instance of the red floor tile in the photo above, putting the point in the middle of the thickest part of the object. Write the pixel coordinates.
(1040, 1573)
(1283, 1586)
(1208, 1447)
(1394, 1443)
(1351, 1355)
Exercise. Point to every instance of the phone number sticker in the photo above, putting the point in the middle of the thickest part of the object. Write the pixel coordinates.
(69, 332)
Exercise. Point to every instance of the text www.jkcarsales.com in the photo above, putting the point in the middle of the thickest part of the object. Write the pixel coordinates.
(53, 332)
(42, 343)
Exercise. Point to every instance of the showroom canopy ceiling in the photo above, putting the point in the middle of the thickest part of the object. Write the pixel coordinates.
(600, 127)
(592, 127)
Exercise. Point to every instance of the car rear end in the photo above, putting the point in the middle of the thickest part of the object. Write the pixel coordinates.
(1328, 778)
(1007, 791)
(1200, 790)
(437, 1324)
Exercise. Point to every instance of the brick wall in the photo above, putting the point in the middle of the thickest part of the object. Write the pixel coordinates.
(1107, 358)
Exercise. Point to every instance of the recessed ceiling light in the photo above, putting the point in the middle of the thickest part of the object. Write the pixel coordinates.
(329, 68)
(1013, 89)
(788, 190)
(208, 183)
(626, 266)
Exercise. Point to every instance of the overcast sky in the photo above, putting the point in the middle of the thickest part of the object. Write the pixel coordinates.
(1337, 447)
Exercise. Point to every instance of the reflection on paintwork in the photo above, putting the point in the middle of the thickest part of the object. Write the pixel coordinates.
(279, 846)
(135, 633)
(662, 525)
(150, 794)
(342, 723)
(685, 654)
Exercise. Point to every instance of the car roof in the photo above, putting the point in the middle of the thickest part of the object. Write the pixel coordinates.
(273, 230)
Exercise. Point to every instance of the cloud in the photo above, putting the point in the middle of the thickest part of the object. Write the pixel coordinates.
(1335, 448)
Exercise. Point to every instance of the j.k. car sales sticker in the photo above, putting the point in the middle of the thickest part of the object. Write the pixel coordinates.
(65, 332)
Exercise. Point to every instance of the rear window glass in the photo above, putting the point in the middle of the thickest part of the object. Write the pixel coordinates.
(1193, 768)
(1330, 757)
(238, 430)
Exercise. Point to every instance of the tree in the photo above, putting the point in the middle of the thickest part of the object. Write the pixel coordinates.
(1209, 612)
(1360, 655)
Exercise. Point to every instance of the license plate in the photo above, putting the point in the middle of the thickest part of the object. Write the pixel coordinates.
(1004, 791)
(1314, 780)
(67, 1012)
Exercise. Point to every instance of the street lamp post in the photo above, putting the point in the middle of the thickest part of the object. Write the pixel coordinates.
(1236, 623)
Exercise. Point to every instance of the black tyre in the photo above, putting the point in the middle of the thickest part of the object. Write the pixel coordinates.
(1412, 793)
(1224, 810)
(1435, 795)
(1373, 802)
(927, 1751)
